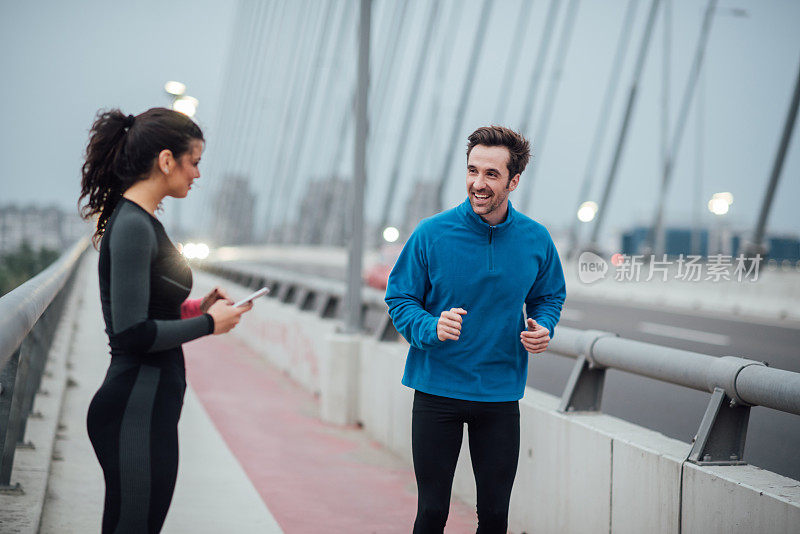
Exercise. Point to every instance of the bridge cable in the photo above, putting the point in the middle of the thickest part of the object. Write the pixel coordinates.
(603, 119)
(623, 132)
(292, 108)
(466, 92)
(411, 103)
(757, 245)
(335, 230)
(656, 235)
(550, 100)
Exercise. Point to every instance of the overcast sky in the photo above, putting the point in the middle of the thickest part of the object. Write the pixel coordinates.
(62, 61)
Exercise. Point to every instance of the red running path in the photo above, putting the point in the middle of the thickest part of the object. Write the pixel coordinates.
(313, 477)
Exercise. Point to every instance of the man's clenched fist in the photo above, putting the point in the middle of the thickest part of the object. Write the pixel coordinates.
(449, 325)
(536, 338)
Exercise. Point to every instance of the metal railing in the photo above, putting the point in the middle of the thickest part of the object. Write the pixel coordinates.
(735, 383)
(29, 316)
(323, 296)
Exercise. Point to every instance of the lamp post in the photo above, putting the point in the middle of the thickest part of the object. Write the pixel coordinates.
(719, 205)
(187, 105)
(181, 102)
(391, 234)
(587, 211)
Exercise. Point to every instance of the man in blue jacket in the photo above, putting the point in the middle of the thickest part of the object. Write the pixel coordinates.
(456, 294)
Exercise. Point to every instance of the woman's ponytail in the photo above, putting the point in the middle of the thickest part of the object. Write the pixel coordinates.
(100, 182)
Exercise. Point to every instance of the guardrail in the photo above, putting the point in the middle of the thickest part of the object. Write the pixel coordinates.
(735, 383)
(28, 318)
(323, 296)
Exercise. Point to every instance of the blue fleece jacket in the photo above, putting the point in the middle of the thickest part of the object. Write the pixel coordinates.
(456, 260)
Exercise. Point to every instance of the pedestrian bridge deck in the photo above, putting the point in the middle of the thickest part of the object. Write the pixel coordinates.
(254, 454)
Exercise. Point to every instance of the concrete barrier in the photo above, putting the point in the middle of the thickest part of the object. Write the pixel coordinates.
(299, 343)
(339, 379)
(578, 472)
(745, 499)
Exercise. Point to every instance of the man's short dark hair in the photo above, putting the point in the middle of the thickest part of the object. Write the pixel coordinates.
(519, 148)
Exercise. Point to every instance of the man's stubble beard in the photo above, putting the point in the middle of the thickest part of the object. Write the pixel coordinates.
(494, 204)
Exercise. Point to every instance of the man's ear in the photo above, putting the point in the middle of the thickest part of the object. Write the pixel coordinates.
(513, 183)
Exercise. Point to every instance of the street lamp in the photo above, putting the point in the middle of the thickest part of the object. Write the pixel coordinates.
(186, 105)
(587, 211)
(720, 203)
(391, 234)
(181, 102)
(198, 251)
(175, 88)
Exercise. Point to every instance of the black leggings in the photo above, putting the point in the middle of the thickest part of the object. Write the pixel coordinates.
(436, 434)
(133, 426)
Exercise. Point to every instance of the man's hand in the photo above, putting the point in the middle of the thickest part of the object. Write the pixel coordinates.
(536, 338)
(449, 325)
(213, 296)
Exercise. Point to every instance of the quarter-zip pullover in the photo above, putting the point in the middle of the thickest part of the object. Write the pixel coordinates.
(456, 260)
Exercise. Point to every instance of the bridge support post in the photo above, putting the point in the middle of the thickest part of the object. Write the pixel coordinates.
(339, 380)
(721, 437)
(8, 430)
(387, 331)
(584, 389)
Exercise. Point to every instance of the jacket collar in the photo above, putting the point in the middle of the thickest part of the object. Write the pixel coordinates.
(475, 222)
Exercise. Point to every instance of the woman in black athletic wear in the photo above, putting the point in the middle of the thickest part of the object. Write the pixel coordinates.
(132, 164)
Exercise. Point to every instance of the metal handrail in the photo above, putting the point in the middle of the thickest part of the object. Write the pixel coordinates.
(327, 294)
(22, 307)
(29, 317)
(745, 381)
(735, 385)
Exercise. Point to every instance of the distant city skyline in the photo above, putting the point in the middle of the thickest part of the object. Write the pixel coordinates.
(63, 62)
(39, 227)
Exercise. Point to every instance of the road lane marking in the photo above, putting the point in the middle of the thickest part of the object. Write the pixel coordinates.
(699, 336)
(572, 315)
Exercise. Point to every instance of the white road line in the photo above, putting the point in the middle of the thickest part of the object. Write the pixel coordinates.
(572, 315)
(699, 336)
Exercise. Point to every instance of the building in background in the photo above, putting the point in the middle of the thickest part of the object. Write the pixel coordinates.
(40, 227)
(235, 216)
(783, 248)
(325, 213)
(421, 203)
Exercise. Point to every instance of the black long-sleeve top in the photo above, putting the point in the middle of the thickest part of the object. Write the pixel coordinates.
(143, 281)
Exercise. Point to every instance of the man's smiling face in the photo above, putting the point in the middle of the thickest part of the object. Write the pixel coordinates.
(488, 183)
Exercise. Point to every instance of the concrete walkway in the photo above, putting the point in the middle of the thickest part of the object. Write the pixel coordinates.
(213, 494)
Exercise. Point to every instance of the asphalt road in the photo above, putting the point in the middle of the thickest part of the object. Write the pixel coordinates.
(773, 438)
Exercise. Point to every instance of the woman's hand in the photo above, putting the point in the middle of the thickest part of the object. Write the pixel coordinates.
(226, 316)
(213, 296)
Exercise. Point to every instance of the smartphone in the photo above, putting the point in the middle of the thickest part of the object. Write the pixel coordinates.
(252, 296)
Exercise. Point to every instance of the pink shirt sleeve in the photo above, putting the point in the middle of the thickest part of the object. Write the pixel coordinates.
(191, 308)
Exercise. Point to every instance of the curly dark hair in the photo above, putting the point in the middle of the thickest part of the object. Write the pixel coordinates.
(519, 148)
(122, 150)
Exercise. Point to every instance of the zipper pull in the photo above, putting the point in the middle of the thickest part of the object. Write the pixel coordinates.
(491, 229)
